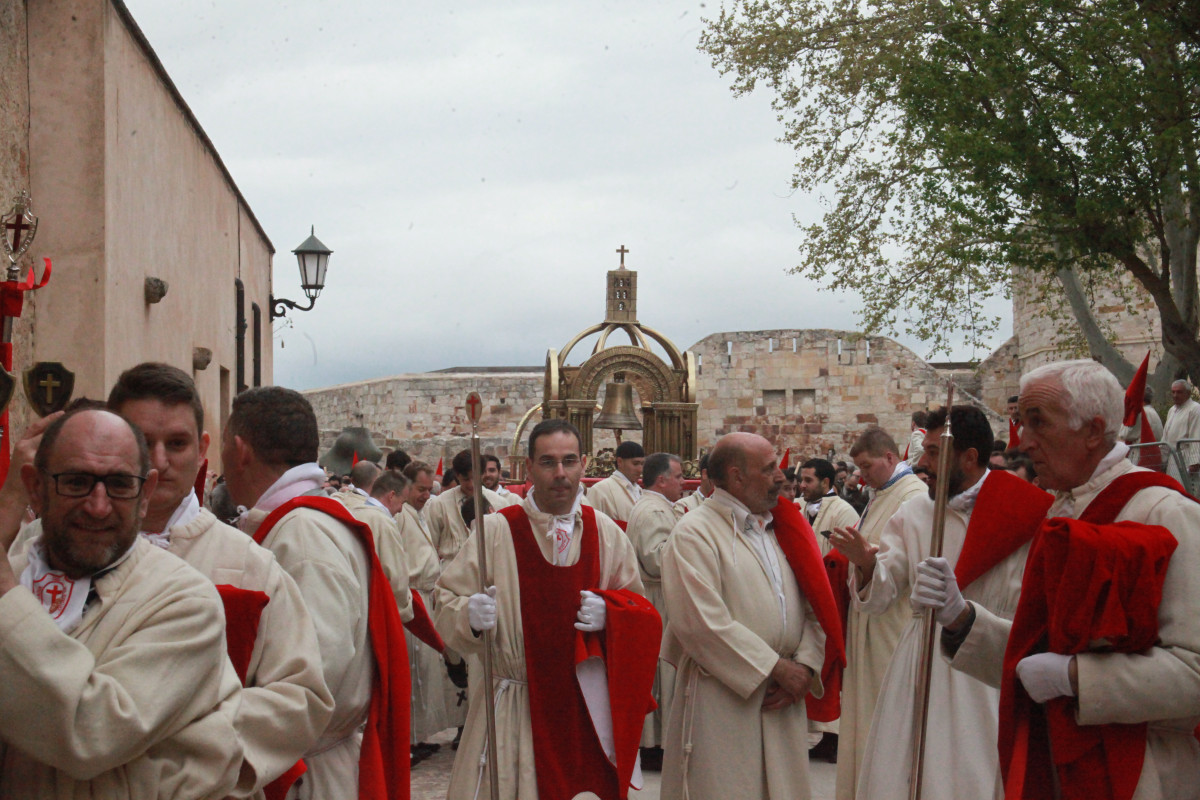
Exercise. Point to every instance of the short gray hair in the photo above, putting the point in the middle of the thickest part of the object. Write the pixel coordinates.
(1181, 382)
(1092, 391)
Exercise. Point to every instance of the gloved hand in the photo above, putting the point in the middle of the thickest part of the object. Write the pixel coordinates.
(1046, 676)
(937, 588)
(481, 610)
(593, 612)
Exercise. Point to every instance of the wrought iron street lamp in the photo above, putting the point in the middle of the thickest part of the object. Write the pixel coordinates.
(313, 258)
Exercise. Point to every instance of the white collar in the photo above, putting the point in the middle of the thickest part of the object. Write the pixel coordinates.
(741, 513)
(964, 501)
(296, 481)
(187, 511)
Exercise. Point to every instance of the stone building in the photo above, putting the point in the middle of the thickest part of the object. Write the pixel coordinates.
(127, 187)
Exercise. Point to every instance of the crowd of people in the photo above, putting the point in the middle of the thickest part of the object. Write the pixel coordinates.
(287, 632)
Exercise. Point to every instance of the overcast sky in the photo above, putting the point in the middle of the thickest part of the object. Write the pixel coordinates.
(475, 165)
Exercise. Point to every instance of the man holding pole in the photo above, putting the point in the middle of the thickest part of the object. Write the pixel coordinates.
(1118, 709)
(991, 518)
(554, 570)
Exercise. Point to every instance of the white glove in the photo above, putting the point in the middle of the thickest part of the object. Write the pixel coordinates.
(937, 588)
(1046, 676)
(593, 612)
(481, 610)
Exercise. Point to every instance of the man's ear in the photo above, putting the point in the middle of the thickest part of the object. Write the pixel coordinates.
(33, 479)
(205, 440)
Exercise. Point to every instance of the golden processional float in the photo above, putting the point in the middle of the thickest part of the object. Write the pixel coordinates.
(666, 391)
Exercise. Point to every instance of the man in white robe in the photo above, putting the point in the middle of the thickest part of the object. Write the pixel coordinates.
(823, 508)
(961, 725)
(1183, 422)
(432, 692)
(285, 705)
(871, 639)
(1071, 413)
(555, 467)
(269, 451)
(616, 494)
(88, 622)
(444, 512)
(375, 504)
(650, 524)
(493, 482)
(690, 502)
(744, 638)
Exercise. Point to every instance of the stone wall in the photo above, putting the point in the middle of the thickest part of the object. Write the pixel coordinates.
(1046, 330)
(425, 413)
(812, 390)
(1000, 377)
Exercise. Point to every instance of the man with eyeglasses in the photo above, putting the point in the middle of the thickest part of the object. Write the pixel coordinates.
(115, 675)
(564, 580)
(286, 704)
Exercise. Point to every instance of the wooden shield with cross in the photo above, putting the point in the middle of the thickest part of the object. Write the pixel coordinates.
(48, 386)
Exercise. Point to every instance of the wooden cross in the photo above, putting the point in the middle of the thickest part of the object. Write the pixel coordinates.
(622, 250)
(49, 384)
(18, 225)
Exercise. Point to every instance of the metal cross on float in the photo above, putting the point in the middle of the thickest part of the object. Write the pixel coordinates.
(622, 250)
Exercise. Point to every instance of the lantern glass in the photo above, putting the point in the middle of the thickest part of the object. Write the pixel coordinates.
(313, 259)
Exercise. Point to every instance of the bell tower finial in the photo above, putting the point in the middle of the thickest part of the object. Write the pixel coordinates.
(622, 292)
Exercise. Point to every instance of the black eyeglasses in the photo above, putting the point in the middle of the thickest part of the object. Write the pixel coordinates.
(80, 484)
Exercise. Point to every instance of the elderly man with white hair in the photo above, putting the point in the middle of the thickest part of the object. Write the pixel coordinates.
(1183, 422)
(1086, 667)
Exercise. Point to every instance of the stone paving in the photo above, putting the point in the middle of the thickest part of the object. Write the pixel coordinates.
(431, 777)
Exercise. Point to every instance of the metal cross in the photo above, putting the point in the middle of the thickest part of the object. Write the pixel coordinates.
(17, 225)
(49, 384)
(622, 250)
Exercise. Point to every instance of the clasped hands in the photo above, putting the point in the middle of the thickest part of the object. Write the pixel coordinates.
(1044, 675)
(788, 683)
(591, 617)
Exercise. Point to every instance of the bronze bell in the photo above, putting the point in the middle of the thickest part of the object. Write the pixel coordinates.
(618, 412)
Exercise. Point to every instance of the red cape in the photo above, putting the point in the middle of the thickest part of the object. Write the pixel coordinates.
(383, 763)
(1086, 580)
(421, 625)
(799, 546)
(1014, 434)
(1007, 514)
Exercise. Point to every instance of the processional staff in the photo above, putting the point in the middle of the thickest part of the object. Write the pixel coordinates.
(929, 629)
(474, 412)
(18, 227)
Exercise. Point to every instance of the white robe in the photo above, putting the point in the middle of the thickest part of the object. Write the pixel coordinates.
(389, 548)
(960, 743)
(444, 515)
(649, 526)
(834, 513)
(430, 684)
(1160, 686)
(726, 632)
(1183, 422)
(614, 496)
(137, 702)
(331, 568)
(870, 642)
(460, 579)
(285, 705)
(689, 502)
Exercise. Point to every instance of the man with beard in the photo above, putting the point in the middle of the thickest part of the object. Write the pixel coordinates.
(990, 522)
(744, 634)
(286, 704)
(115, 677)
(493, 481)
(552, 562)
(823, 509)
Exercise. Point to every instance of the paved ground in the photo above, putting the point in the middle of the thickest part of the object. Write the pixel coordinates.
(431, 777)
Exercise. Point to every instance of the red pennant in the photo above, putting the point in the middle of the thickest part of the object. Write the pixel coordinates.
(354, 460)
(783, 462)
(438, 474)
(1135, 395)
